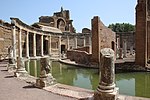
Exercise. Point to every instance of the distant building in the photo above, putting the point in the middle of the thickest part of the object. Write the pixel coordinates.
(60, 20)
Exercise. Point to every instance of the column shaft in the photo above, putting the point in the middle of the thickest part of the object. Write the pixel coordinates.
(49, 44)
(42, 45)
(19, 44)
(14, 42)
(68, 47)
(34, 45)
(27, 44)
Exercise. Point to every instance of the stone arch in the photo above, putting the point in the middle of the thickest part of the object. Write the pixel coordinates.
(61, 24)
(113, 45)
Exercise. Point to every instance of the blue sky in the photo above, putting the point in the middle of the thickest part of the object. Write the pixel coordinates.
(81, 11)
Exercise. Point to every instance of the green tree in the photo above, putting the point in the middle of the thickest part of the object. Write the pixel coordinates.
(122, 27)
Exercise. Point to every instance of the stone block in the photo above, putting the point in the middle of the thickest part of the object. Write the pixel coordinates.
(102, 95)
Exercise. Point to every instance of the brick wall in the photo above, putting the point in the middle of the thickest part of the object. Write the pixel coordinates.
(5, 39)
(102, 37)
(80, 57)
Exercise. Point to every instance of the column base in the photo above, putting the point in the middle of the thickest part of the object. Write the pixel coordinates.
(102, 95)
(21, 72)
(11, 67)
(45, 81)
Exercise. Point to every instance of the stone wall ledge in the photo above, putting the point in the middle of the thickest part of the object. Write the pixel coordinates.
(119, 67)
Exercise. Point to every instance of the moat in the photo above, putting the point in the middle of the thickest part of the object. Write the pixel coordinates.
(131, 83)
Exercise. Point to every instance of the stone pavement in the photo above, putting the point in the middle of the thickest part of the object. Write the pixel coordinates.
(12, 88)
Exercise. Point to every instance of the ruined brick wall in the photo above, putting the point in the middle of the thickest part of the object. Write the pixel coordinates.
(129, 37)
(148, 26)
(80, 57)
(107, 36)
(5, 38)
(102, 37)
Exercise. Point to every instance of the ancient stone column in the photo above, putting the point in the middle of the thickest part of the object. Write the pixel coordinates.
(124, 49)
(46, 78)
(49, 45)
(14, 43)
(20, 62)
(107, 89)
(42, 45)
(20, 44)
(27, 44)
(34, 45)
(68, 46)
(75, 42)
(12, 50)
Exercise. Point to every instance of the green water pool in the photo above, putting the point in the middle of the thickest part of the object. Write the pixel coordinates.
(133, 83)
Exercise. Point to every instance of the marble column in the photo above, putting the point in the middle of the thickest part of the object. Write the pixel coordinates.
(75, 42)
(12, 51)
(34, 44)
(59, 46)
(14, 43)
(49, 44)
(20, 44)
(20, 63)
(42, 45)
(84, 42)
(68, 46)
(106, 88)
(124, 49)
(27, 44)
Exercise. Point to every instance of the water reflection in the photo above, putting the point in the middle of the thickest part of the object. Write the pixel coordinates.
(136, 84)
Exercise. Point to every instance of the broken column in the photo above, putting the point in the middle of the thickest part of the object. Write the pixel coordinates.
(45, 79)
(107, 89)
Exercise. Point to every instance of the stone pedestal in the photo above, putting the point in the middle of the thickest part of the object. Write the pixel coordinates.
(106, 96)
(46, 78)
(20, 71)
(107, 89)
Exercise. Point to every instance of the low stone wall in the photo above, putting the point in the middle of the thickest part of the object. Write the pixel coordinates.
(80, 57)
(86, 49)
